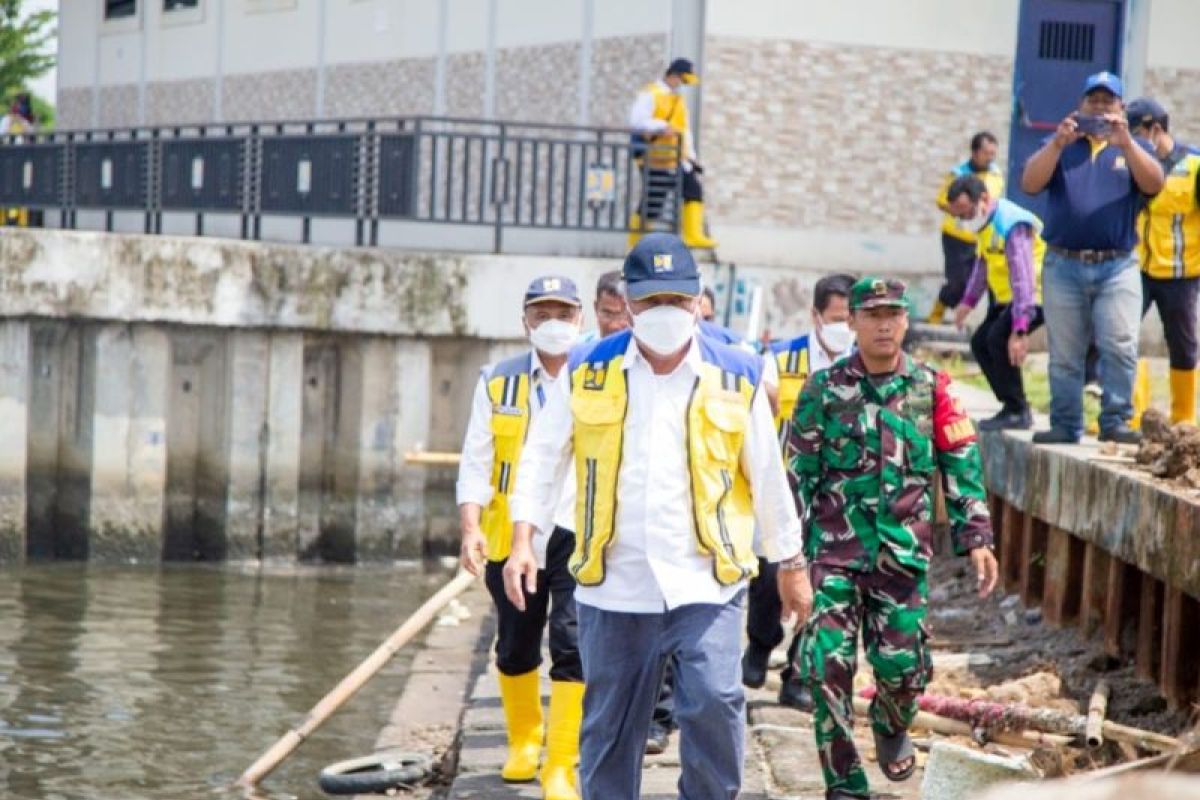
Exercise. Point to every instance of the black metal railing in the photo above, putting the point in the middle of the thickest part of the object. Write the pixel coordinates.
(422, 169)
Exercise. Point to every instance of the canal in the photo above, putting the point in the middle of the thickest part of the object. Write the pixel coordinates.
(166, 682)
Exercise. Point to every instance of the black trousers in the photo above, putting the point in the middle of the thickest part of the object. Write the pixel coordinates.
(519, 634)
(763, 628)
(1176, 301)
(990, 347)
(659, 184)
(959, 261)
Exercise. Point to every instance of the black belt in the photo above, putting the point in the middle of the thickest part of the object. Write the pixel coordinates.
(1088, 256)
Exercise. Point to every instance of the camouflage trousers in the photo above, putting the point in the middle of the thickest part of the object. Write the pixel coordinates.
(888, 604)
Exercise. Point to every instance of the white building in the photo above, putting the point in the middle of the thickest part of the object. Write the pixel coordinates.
(825, 127)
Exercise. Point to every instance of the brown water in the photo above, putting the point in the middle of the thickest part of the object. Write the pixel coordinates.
(166, 683)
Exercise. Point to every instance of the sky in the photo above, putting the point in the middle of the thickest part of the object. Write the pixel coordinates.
(45, 85)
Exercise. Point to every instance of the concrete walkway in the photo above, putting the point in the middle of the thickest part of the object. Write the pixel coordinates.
(483, 750)
(781, 756)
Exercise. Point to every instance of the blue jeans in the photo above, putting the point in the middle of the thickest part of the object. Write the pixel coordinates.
(624, 656)
(1085, 302)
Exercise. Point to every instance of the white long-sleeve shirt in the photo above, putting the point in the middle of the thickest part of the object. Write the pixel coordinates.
(653, 563)
(641, 118)
(478, 453)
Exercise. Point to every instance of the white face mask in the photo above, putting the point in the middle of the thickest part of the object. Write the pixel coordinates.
(664, 329)
(836, 336)
(554, 337)
(976, 223)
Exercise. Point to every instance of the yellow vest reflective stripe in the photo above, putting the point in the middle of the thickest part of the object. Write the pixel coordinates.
(1169, 227)
(991, 249)
(717, 417)
(992, 177)
(508, 390)
(663, 151)
(792, 361)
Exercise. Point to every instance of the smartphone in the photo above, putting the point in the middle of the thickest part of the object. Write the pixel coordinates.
(1092, 125)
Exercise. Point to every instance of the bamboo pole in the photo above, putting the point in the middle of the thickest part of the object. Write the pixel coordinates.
(1093, 733)
(953, 727)
(1011, 716)
(432, 459)
(350, 684)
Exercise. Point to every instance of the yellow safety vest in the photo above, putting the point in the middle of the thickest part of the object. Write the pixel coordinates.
(1169, 227)
(508, 389)
(717, 418)
(792, 360)
(992, 177)
(991, 249)
(663, 151)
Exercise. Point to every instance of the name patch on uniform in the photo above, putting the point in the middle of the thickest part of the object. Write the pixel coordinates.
(593, 377)
(507, 411)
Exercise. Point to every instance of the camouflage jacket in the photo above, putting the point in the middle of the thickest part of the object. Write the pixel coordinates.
(862, 457)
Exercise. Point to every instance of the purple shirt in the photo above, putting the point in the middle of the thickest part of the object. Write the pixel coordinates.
(1018, 249)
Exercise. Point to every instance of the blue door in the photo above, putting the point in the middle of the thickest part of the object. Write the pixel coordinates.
(1059, 43)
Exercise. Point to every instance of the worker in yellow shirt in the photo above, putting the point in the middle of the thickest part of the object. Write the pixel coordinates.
(959, 243)
(666, 153)
(1169, 250)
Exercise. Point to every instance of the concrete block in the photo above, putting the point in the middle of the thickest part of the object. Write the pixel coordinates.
(14, 410)
(414, 362)
(285, 377)
(248, 387)
(1157, 785)
(377, 516)
(128, 380)
(953, 770)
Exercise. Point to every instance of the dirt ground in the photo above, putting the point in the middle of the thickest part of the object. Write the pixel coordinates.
(1018, 644)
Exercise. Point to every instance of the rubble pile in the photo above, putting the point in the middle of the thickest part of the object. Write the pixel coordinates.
(1170, 452)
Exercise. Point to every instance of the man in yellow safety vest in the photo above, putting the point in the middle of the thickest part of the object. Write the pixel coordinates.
(675, 460)
(511, 394)
(666, 153)
(1169, 249)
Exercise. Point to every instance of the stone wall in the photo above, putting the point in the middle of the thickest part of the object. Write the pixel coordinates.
(179, 102)
(1179, 92)
(280, 95)
(74, 109)
(537, 83)
(833, 137)
(620, 67)
(380, 88)
(118, 106)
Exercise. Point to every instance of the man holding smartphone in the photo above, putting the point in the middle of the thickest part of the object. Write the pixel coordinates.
(1098, 178)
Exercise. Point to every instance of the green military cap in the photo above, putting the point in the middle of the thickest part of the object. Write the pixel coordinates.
(872, 292)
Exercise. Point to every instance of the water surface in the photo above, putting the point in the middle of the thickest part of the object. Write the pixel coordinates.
(163, 683)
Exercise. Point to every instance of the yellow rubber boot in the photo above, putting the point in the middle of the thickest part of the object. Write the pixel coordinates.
(693, 226)
(1183, 396)
(1141, 393)
(522, 699)
(936, 313)
(635, 230)
(562, 741)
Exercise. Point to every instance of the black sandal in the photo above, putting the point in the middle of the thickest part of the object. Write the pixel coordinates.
(890, 751)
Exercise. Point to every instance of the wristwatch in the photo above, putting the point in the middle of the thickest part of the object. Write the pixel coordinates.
(796, 562)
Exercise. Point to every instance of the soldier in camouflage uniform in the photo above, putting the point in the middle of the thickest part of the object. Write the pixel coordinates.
(866, 438)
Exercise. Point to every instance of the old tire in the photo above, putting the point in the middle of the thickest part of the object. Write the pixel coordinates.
(374, 773)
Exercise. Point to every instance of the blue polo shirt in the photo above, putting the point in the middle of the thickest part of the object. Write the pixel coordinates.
(1092, 201)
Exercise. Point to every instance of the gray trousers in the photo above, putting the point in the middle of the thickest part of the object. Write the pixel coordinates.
(624, 656)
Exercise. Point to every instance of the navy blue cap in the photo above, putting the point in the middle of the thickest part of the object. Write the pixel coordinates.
(1145, 111)
(1103, 80)
(552, 287)
(684, 69)
(660, 264)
